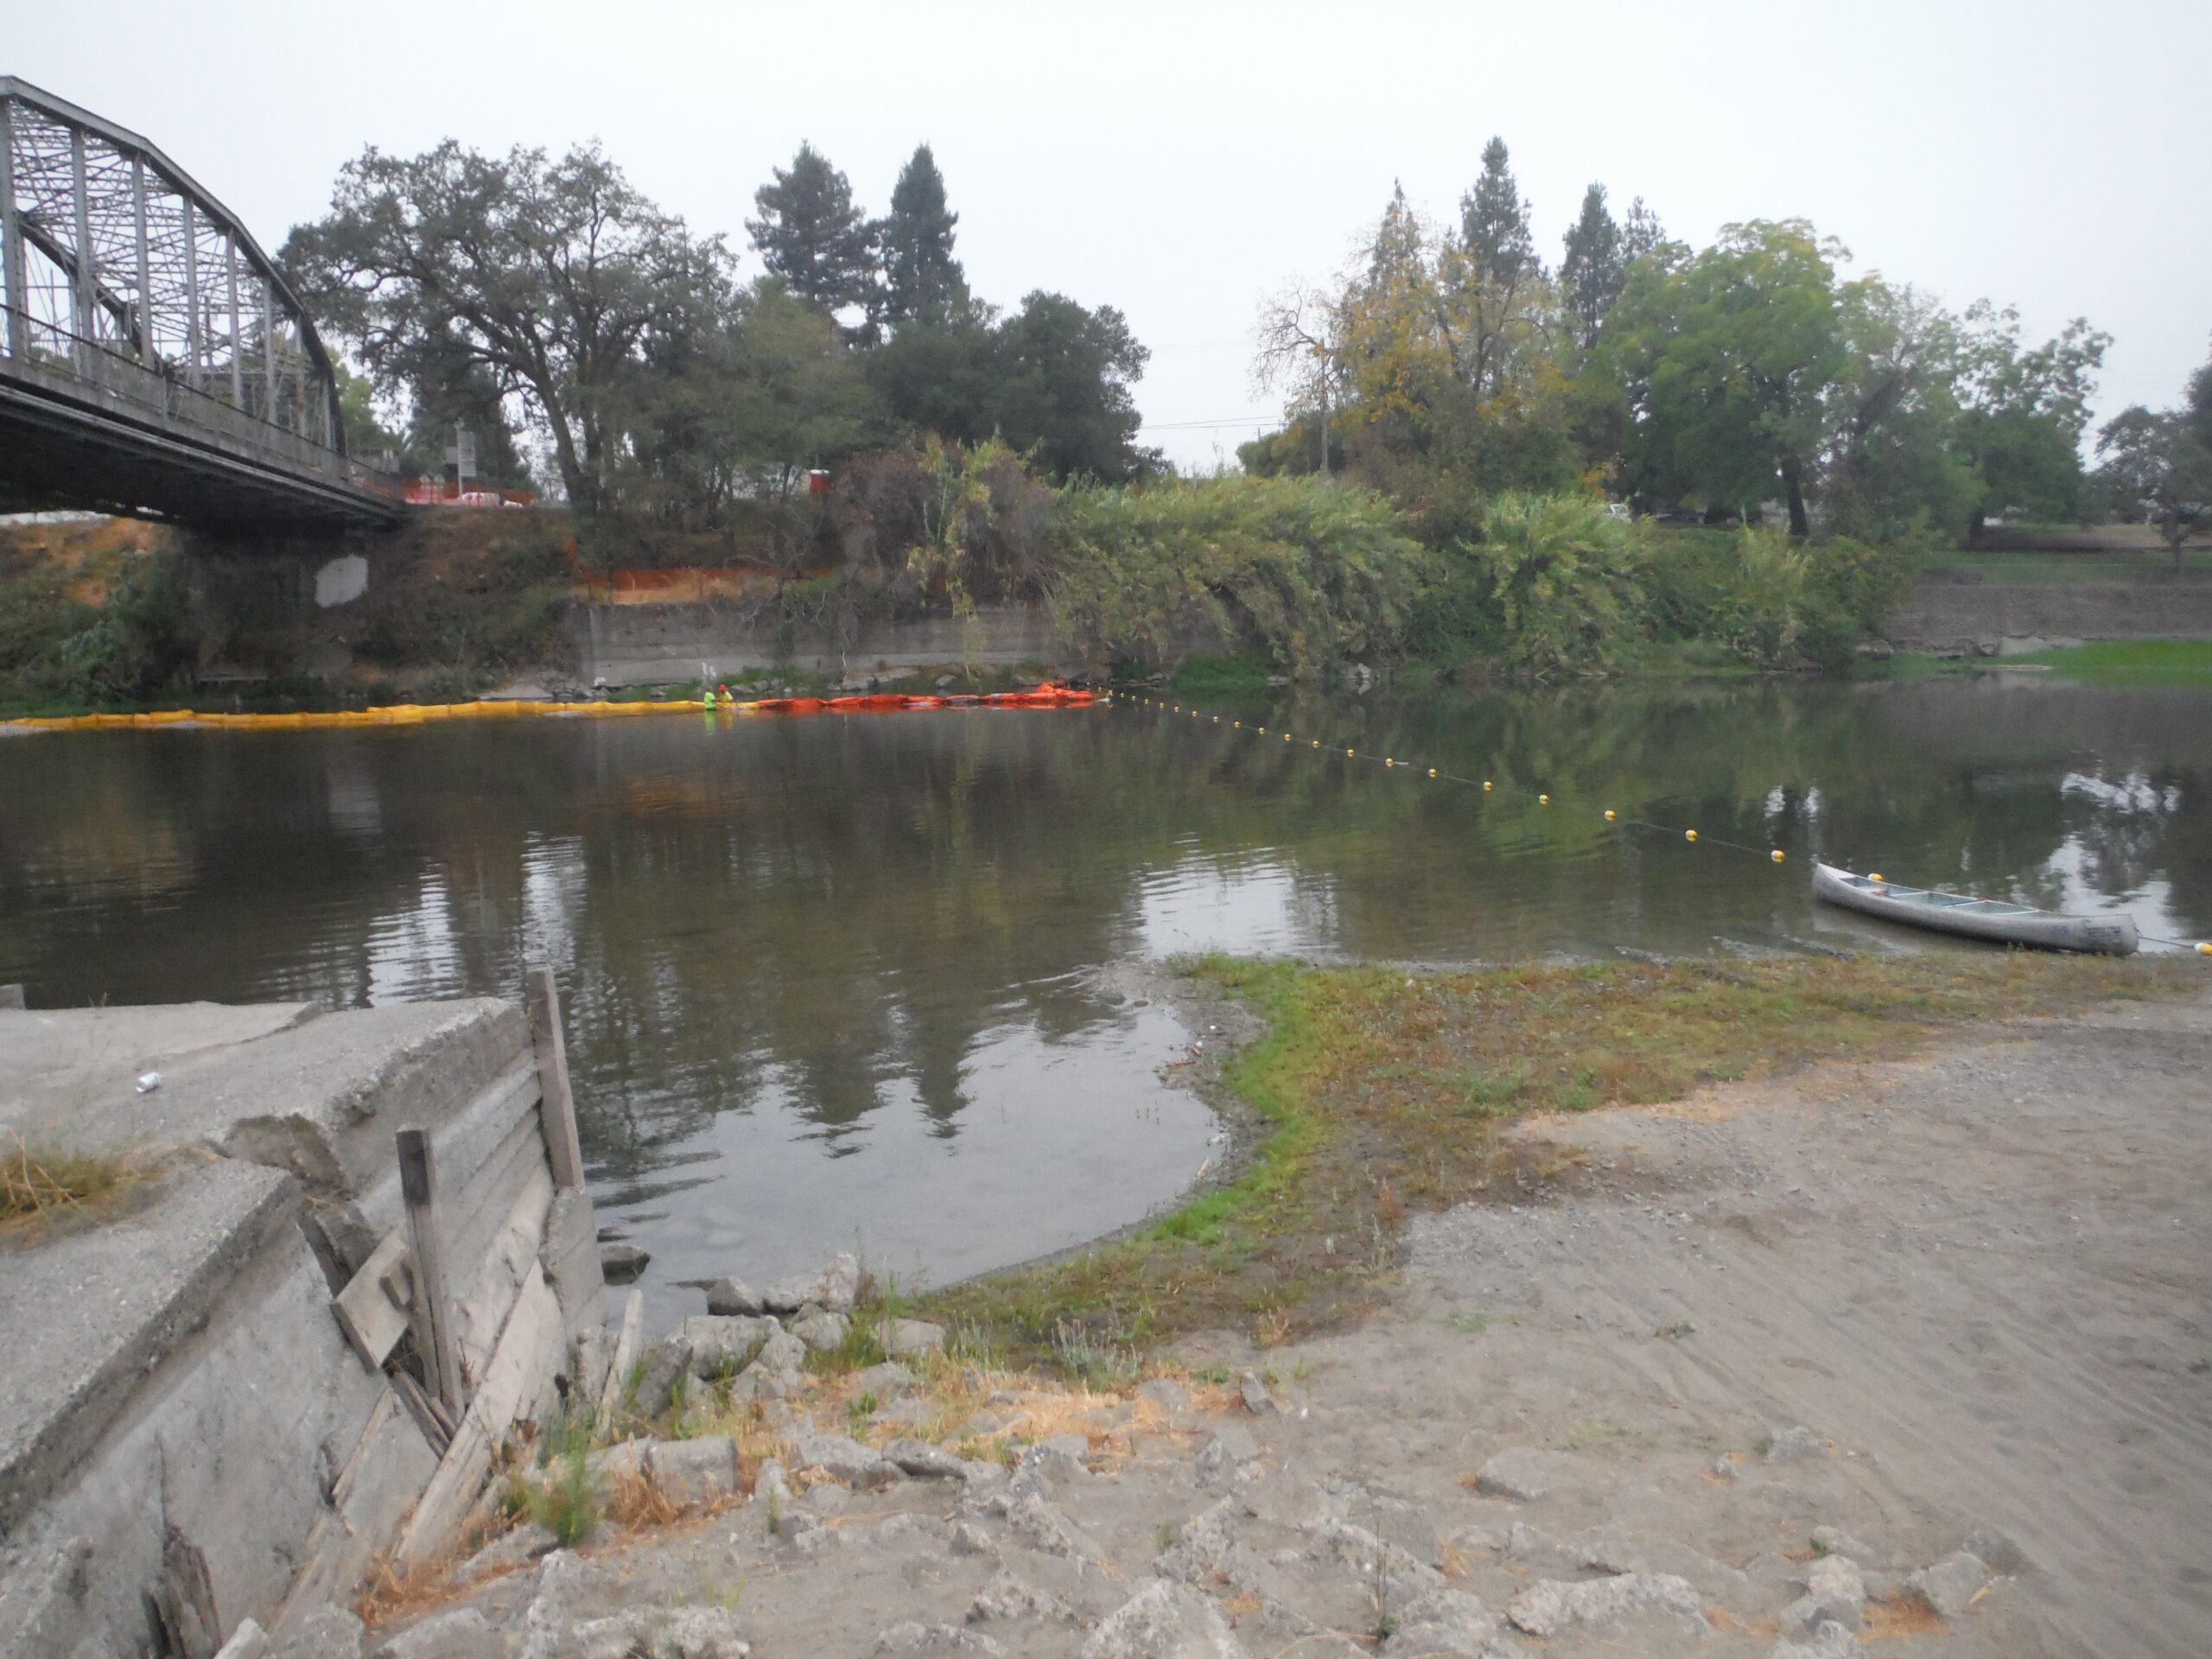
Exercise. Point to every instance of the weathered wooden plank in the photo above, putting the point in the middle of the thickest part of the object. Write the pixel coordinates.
(468, 1140)
(372, 1318)
(626, 1355)
(484, 1203)
(507, 1260)
(389, 1467)
(529, 1348)
(433, 1310)
(557, 1104)
(570, 1254)
(181, 1604)
(437, 1434)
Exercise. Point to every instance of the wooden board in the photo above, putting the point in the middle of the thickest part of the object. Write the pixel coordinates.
(529, 1348)
(468, 1140)
(507, 1260)
(387, 1470)
(626, 1355)
(557, 1105)
(571, 1255)
(373, 1321)
(484, 1203)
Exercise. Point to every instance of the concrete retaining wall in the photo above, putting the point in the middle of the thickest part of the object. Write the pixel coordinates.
(181, 1415)
(1947, 614)
(651, 645)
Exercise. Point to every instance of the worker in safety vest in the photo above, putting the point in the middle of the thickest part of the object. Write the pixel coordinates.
(708, 697)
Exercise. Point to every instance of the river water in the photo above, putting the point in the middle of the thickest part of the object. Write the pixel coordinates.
(835, 981)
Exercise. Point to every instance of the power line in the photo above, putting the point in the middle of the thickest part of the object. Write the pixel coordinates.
(1178, 426)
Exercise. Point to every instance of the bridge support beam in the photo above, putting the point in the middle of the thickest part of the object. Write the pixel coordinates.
(11, 236)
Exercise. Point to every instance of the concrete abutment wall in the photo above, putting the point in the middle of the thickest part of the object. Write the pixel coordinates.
(185, 1424)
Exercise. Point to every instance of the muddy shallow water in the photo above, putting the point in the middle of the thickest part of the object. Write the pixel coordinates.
(835, 981)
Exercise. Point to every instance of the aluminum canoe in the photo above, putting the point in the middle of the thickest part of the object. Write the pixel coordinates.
(1973, 919)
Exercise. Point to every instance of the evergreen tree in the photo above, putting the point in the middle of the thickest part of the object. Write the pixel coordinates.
(1593, 271)
(1494, 225)
(1395, 257)
(922, 282)
(1504, 278)
(812, 235)
(1640, 233)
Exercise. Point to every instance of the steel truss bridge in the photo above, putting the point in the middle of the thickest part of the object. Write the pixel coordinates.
(152, 360)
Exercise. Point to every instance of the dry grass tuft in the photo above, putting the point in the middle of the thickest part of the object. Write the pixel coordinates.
(1901, 1616)
(1729, 1624)
(633, 1501)
(394, 1591)
(37, 1184)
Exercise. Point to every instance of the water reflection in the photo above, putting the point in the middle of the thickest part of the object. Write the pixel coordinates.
(833, 979)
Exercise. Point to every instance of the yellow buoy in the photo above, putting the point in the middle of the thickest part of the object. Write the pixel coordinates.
(1388, 761)
(1609, 815)
(1689, 834)
(1316, 742)
(1875, 877)
(2204, 950)
(1431, 772)
(1776, 855)
(1286, 737)
(1543, 800)
(1350, 752)
(1485, 783)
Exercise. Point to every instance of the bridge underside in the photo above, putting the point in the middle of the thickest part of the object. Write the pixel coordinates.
(60, 451)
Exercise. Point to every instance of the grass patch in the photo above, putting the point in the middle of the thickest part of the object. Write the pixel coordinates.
(2118, 563)
(2131, 662)
(1246, 671)
(36, 1184)
(1382, 1095)
(568, 1505)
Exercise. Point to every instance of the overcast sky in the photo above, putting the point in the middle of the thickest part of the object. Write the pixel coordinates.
(1182, 161)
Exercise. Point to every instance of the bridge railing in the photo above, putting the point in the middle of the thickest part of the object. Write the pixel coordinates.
(93, 371)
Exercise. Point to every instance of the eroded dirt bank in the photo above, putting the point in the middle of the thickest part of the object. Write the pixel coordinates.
(1981, 1282)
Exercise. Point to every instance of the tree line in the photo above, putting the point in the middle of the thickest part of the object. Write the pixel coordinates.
(536, 297)
(1453, 362)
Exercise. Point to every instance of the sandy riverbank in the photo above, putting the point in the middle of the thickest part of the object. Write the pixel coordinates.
(1979, 1278)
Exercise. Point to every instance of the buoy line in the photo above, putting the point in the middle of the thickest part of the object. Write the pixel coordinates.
(1488, 785)
(1542, 797)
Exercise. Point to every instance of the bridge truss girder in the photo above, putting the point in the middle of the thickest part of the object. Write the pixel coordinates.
(126, 286)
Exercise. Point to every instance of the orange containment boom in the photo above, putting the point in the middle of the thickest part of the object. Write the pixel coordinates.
(1053, 694)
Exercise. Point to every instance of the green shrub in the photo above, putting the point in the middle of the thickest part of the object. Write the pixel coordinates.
(136, 644)
(1768, 601)
(1313, 573)
(1564, 583)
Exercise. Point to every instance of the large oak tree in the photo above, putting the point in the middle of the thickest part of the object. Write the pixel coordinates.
(543, 277)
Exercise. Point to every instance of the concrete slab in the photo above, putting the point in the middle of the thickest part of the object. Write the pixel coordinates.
(88, 1313)
(319, 1096)
(66, 1055)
